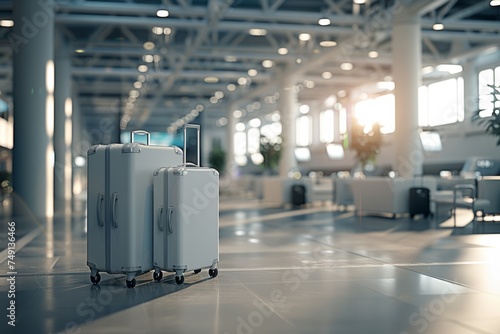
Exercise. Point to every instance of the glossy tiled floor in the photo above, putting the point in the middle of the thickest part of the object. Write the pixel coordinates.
(314, 270)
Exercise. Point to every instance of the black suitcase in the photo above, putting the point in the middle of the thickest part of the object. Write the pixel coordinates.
(420, 201)
(298, 194)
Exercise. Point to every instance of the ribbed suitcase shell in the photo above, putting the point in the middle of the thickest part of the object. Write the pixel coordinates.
(120, 206)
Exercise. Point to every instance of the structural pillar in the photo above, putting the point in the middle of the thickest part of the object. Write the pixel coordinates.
(63, 128)
(407, 64)
(32, 40)
(288, 107)
(471, 91)
(230, 168)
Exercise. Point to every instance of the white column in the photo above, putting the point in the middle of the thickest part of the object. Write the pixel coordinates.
(406, 53)
(63, 128)
(32, 41)
(230, 168)
(288, 107)
(471, 92)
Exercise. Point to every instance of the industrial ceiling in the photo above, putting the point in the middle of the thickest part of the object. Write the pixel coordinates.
(213, 56)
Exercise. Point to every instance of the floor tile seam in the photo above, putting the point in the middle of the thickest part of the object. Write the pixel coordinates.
(273, 309)
(21, 243)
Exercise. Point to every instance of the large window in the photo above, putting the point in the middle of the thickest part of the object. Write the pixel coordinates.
(441, 103)
(486, 100)
(303, 131)
(326, 126)
(378, 110)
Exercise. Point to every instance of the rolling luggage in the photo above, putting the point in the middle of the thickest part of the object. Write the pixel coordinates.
(186, 216)
(120, 206)
(298, 195)
(419, 200)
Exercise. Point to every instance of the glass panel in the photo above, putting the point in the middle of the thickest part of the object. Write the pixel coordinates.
(303, 131)
(240, 143)
(343, 121)
(443, 102)
(253, 140)
(326, 126)
(485, 98)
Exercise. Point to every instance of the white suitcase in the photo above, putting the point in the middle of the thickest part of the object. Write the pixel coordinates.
(120, 206)
(186, 216)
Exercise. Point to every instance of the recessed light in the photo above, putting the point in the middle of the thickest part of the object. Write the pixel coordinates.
(359, 2)
(324, 21)
(438, 26)
(282, 51)
(327, 75)
(252, 72)
(304, 37)
(230, 59)
(267, 63)
(257, 32)
(327, 44)
(6, 23)
(162, 13)
(149, 45)
(142, 68)
(373, 54)
(80, 51)
(211, 79)
(494, 3)
(346, 66)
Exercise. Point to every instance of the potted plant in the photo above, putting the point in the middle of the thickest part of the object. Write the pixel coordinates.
(492, 122)
(271, 152)
(366, 144)
(217, 159)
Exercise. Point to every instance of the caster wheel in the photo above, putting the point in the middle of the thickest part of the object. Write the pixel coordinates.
(131, 284)
(213, 272)
(197, 271)
(179, 279)
(157, 276)
(95, 279)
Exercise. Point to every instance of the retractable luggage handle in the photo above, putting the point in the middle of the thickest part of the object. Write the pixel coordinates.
(140, 132)
(197, 127)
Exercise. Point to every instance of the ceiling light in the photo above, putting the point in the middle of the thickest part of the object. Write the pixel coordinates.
(252, 72)
(282, 51)
(254, 123)
(330, 101)
(134, 93)
(211, 79)
(298, 60)
(304, 37)
(438, 26)
(219, 95)
(231, 87)
(327, 44)
(214, 100)
(141, 78)
(257, 32)
(6, 23)
(149, 45)
(267, 63)
(309, 84)
(148, 58)
(142, 68)
(359, 2)
(167, 31)
(341, 93)
(162, 13)
(157, 30)
(373, 54)
(304, 109)
(494, 3)
(240, 127)
(324, 21)
(80, 51)
(230, 59)
(346, 66)
(242, 81)
(237, 114)
(327, 75)
(137, 84)
(200, 107)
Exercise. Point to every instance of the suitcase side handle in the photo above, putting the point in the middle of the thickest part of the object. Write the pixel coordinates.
(114, 218)
(160, 218)
(169, 219)
(140, 132)
(100, 201)
(197, 127)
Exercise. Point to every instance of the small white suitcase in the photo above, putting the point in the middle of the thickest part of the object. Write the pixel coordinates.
(186, 216)
(120, 206)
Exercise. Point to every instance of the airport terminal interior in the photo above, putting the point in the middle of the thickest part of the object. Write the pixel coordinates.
(354, 146)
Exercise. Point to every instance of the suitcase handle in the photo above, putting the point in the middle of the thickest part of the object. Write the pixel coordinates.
(160, 218)
(114, 218)
(197, 127)
(100, 200)
(140, 132)
(169, 219)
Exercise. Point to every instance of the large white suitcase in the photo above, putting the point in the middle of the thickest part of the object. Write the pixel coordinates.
(186, 215)
(120, 206)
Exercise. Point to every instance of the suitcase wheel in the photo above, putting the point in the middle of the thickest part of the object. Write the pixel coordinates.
(179, 279)
(131, 284)
(213, 272)
(95, 279)
(157, 276)
(197, 271)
